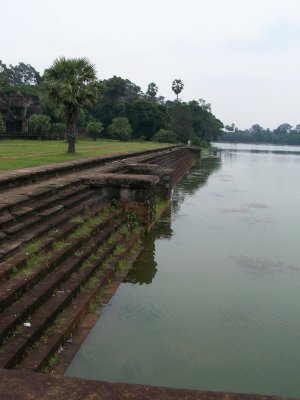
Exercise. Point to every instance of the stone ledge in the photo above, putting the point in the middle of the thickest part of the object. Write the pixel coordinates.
(20, 385)
(33, 174)
(122, 180)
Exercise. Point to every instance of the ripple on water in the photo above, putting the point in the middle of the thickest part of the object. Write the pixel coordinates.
(251, 220)
(257, 205)
(258, 265)
(215, 194)
(241, 210)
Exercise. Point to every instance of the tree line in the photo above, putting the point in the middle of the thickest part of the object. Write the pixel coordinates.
(283, 134)
(73, 99)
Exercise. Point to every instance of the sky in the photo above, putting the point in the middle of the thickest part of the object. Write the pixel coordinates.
(241, 56)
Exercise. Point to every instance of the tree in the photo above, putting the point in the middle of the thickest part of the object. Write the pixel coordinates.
(204, 105)
(39, 123)
(230, 128)
(177, 87)
(94, 128)
(283, 129)
(70, 84)
(24, 74)
(257, 132)
(120, 129)
(117, 92)
(205, 125)
(181, 120)
(145, 116)
(18, 75)
(152, 90)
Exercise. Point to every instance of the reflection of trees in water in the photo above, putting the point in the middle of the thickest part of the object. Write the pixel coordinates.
(198, 176)
(144, 270)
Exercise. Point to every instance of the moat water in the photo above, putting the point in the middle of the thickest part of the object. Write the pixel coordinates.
(214, 301)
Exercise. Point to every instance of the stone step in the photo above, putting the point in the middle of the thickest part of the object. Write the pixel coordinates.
(18, 260)
(39, 204)
(50, 211)
(21, 226)
(72, 314)
(12, 289)
(33, 206)
(170, 160)
(15, 348)
(10, 243)
(6, 218)
(19, 310)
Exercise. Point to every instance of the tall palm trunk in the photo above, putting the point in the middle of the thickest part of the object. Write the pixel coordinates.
(71, 132)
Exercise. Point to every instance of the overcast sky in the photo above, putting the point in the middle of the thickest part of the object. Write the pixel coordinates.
(242, 56)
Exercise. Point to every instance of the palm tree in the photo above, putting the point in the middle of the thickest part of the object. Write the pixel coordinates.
(70, 84)
(177, 86)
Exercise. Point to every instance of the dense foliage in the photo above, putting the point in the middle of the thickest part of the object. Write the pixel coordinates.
(19, 78)
(69, 94)
(165, 136)
(39, 123)
(2, 125)
(283, 134)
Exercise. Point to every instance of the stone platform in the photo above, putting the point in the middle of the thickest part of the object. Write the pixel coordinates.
(19, 385)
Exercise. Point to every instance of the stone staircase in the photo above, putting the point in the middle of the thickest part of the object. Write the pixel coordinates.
(60, 243)
(176, 160)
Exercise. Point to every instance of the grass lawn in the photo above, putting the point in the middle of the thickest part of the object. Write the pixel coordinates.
(16, 154)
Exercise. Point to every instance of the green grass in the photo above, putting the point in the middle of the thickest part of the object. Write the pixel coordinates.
(120, 248)
(82, 231)
(96, 303)
(122, 264)
(77, 220)
(50, 364)
(60, 245)
(30, 266)
(16, 154)
(33, 247)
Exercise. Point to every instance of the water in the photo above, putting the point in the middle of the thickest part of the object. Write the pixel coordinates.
(214, 302)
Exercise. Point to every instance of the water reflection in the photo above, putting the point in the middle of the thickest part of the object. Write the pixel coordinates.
(143, 271)
(197, 177)
(255, 151)
(230, 148)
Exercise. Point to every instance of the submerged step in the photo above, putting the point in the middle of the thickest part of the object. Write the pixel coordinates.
(13, 350)
(37, 357)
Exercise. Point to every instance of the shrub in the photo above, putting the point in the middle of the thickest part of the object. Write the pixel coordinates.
(165, 136)
(196, 141)
(120, 128)
(39, 123)
(94, 128)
